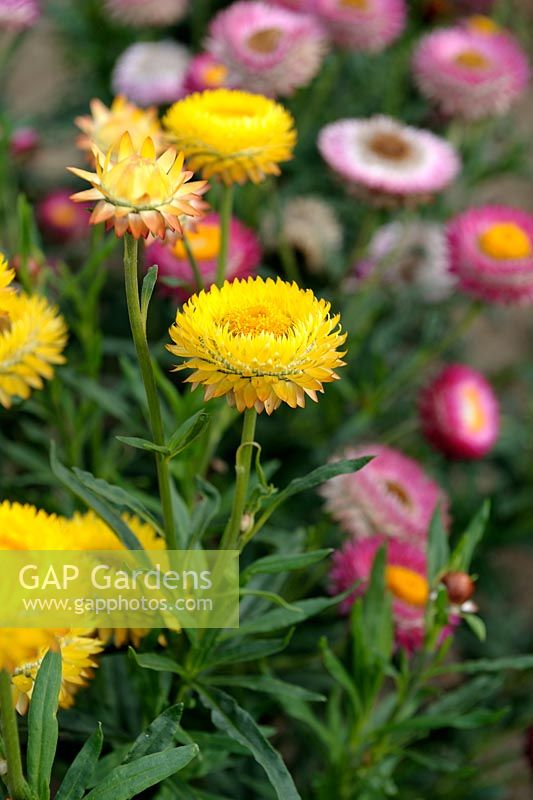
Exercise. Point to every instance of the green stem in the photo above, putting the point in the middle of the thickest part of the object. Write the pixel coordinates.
(243, 463)
(18, 788)
(289, 261)
(131, 256)
(199, 281)
(226, 209)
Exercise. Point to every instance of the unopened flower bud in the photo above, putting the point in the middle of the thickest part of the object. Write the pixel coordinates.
(460, 587)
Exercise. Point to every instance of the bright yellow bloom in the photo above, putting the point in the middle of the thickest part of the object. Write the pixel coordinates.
(32, 338)
(258, 342)
(105, 126)
(138, 192)
(233, 135)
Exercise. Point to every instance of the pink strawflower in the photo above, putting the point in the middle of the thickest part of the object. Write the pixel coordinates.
(491, 253)
(365, 25)
(459, 412)
(205, 72)
(60, 218)
(151, 72)
(143, 13)
(405, 576)
(387, 162)
(18, 15)
(391, 495)
(243, 258)
(295, 5)
(409, 254)
(470, 74)
(24, 142)
(268, 50)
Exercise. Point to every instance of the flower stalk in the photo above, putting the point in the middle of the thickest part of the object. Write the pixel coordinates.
(18, 788)
(226, 210)
(243, 463)
(138, 330)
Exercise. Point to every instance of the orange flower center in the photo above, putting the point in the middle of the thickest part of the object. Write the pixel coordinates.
(360, 4)
(399, 493)
(390, 146)
(472, 59)
(472, 409)
(506, 241)
(204, 243)
(215, 75)
(258, 319)
(265, 41)
(482, 24)
(407, 585)
(63, 214)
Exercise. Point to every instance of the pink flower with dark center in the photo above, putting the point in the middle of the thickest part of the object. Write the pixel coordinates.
(391, 496)
(267, 50)
(470, 74)
(387, 162)
(459, 412)
(491, 253)
(365, 25)
(174, 267)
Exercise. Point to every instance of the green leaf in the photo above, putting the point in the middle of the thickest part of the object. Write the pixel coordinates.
(42, 724)
(438, 546)
(275, 564)
(429, 722)
(144, 444)
(117, 496)
(520, 662)
(229, 717)
(190, 430)
(340, 674)
(271, 597)
(158, 736)
(156, 662)
(476, 625)
(246, 649)
(81, 770)
(463, 553)
(267, 685)
(129, 780)
(204, 511)
(148, 285)
(99, 506)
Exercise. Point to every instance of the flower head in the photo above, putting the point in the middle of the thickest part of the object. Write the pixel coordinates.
(387, 162)
(151, 73)
(413, 253)
(105, 126)
(459, 412)
(268, 50)
(18, 15)
(233, 135)
(60, 218)
(470, 74)
(258, 342)
(147, 13)
(138, 192)
(365, 25)
(32, 339)
(491, 252)
(171, 257)
(24, 142)
(405, 577)
(392, 496)
(205, 72)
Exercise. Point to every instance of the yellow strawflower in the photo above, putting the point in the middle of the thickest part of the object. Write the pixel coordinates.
(105, 126)
(32, 339)
(235, 136)
(138, 192)
(258, 342)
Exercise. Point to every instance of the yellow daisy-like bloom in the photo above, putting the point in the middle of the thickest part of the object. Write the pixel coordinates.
(105, 126)
(235, 136)
(258, 342)
(32, 338)
(139, 192)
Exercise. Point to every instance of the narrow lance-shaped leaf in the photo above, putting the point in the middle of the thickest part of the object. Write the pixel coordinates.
(42, 724)
(81, 770)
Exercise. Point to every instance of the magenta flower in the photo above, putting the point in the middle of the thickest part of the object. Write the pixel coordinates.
(459, 412)
(205, 72)
(470, 74)
(151, 72)
(405, 576)
(60, 218)
(18, 15)
(391, 496)
(24, 142)
(368, 25)
(243, 259)
(143, 13)
(491, 252)
(386, 162)
(267, 50)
